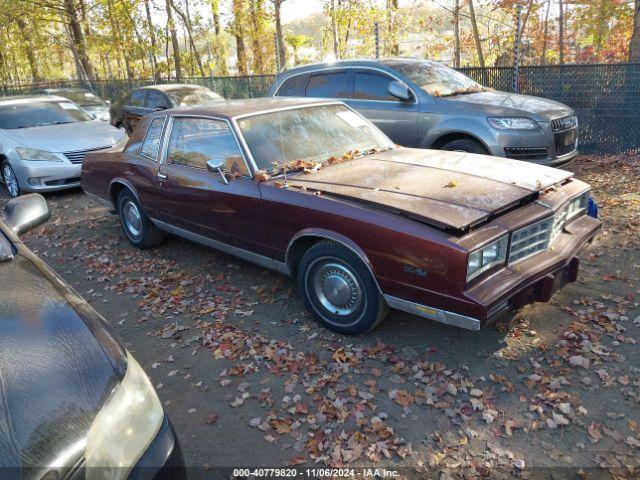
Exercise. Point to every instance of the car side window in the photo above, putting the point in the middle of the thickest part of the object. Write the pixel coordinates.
(195, 141)
(137, 98)
(328, 85)
(372, 86)
(151, 143)
(157, 100)
(293, 87)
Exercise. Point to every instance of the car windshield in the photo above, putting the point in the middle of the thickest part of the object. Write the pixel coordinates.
(191, 96)
(39, 114)
(308, 137)
(437, 79)
(82, 98)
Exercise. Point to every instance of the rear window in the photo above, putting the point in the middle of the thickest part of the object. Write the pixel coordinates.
(137, 98)
(293, 87)
(151, 143)
(40, 114)
(328, 85)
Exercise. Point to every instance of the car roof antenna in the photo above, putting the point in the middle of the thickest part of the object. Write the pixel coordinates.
(284, 155)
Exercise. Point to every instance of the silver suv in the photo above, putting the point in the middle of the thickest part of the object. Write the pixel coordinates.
(424, 104)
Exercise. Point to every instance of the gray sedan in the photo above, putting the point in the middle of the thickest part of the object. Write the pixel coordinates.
(43, 141)
(424, 104)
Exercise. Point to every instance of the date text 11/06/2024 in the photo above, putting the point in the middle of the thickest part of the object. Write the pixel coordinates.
(314, 473)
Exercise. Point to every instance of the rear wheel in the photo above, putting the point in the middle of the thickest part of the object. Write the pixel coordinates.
(138, 228)
(339, 289)
(464, 145)
(10, 180)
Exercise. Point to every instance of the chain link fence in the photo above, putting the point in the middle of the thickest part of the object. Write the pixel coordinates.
(605, 97)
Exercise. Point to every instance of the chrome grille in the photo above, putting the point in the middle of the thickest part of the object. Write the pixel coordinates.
(564, 123)
(531, 239)
(77, 156)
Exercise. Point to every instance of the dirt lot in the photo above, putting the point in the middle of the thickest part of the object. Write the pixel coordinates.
(250, 380)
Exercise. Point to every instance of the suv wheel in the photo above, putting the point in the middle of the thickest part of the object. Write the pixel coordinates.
(138, 228)
(10, 180)
(339, 289)
(464, 145)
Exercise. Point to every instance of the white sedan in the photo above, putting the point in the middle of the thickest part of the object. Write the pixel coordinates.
(43, 142)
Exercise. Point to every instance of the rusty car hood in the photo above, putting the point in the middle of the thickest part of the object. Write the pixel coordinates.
(450, 190)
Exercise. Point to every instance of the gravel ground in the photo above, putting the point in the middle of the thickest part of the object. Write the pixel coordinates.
(249, 379)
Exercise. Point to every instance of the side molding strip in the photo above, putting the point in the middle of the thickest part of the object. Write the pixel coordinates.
(224, 247)
(431, 313)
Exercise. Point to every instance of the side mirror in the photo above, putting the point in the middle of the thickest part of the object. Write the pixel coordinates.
(160, 107)
(26, 212)
(400, 90)
(215, 165)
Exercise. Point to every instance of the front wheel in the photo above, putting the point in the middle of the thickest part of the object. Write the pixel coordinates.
(10, 180)
(338, 288)
(138, 228)
(465, 145)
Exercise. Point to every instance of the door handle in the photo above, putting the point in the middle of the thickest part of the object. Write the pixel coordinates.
(161, 176)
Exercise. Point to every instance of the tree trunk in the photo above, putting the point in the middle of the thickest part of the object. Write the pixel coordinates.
(392, 27)
(187, 23)
(456, 34)
(634, 45)
(543, 56)
(152, 39)
(238, 32)
(174, 40)
(77, 37)
(256, 18)
(219, 45)
(334, 28)
(29, 50)
(601, 28)
(561, 32)
(282, 50)
(476, 34)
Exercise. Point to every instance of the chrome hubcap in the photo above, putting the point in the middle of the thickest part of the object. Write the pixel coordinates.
(132, 218)
(10, 181)
(337, 288)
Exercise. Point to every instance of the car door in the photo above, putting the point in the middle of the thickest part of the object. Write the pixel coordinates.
(395, 117)
(197, 203)
(134, 109)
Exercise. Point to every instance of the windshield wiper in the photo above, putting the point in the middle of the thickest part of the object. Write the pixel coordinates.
(51, 123)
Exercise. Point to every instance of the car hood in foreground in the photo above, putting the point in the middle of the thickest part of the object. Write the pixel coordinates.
(56, 371)
(449, 190)
(67, 137)
(503, 103)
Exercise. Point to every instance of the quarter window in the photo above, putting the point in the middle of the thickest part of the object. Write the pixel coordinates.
(328, 85)
(195, 141)
(137, 98)
(372, 86)
(151, 143)
(293, 87)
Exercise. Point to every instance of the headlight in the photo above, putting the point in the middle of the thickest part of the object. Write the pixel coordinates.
(578, 204)
(35, 155)
(512, 123)
(483, 259)
(124, 428)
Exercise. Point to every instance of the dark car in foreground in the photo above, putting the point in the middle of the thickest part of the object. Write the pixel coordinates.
(424, 104)
(75, 404)
(140, 102)
(89, 101)
(314, 190)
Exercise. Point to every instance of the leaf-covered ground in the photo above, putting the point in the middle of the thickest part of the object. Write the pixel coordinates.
(249, 379)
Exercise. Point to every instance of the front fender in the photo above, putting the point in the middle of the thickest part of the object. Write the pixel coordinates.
(472, 127)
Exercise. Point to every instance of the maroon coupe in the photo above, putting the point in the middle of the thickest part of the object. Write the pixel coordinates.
(314, 190)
